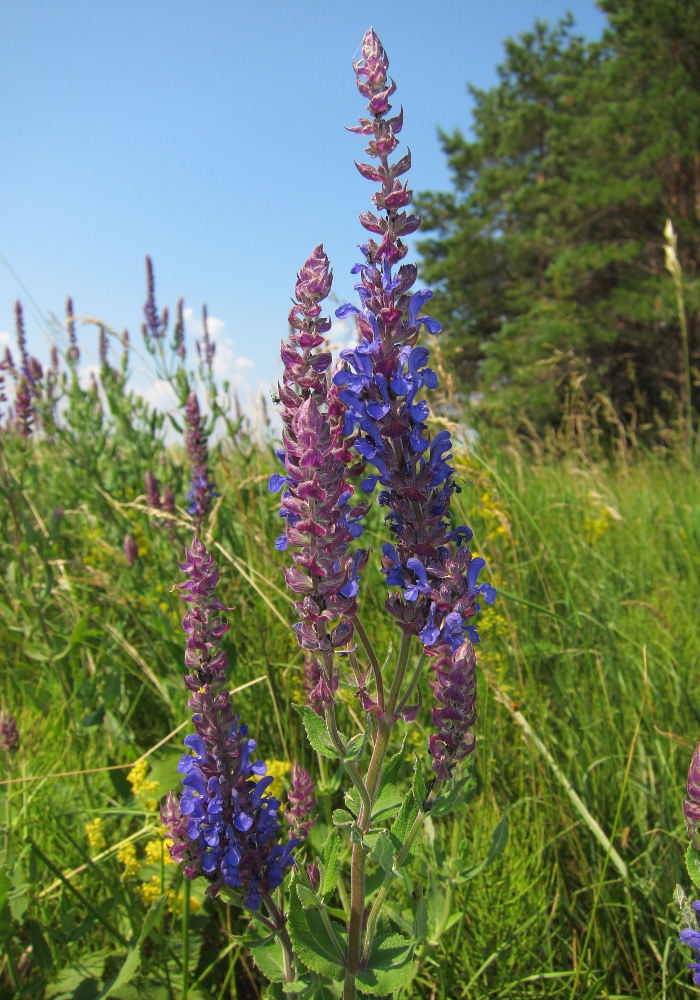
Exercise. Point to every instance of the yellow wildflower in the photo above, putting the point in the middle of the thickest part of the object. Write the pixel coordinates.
(277, 769)
(95, 834)
(150, 890)
(140, 783)
(157, 849)
(126, 855)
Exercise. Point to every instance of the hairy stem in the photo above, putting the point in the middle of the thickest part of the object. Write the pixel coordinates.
(281, 931)
(372, 657)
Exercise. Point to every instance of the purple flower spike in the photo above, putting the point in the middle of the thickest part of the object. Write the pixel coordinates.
(383, 382)
(225, 825)
(301, 803)
(152, 488)
(9, 737)
(130, 550)
(691, 806)
(319, 522)
(455, 714)
(201, 491)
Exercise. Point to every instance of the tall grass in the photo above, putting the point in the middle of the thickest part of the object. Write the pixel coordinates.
(588, 691)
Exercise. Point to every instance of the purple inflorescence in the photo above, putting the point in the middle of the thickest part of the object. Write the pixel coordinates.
(130, 549)
(691, 805)
(319, 521)
(155, 324)
(152, 488)
(691, 937)
(9, 737)
(383, 380)
(225, 825)
(201, 491)
(312, 678)
(455, 713)
(301, 803)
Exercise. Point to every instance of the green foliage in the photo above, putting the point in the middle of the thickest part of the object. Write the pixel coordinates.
(547, 255)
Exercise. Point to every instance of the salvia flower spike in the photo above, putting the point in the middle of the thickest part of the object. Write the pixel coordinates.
(225, 825)
(202, 491)
(691, 805)
(319, 522)
(9, 737)
(383, 382)
(301, 803)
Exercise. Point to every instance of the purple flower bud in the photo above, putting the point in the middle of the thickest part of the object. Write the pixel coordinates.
(201, 491)
(314, 876)
(455, 713)
(691, 805)
(152, 489)
(130, 550)
(301, 803)
(9, 737)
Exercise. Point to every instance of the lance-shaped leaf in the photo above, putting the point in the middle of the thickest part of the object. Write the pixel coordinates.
(310, 939)
(328, 865)
(692, 863)
(267, 955)
(383, 852)
(316, 732)
(402, 826)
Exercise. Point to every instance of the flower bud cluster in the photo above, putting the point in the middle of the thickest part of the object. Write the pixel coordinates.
(383, 380)
(455, 714)
(9, 737)
(319, 521)
(225, 825)
(301, 802)
(691, 805)
(201, 492)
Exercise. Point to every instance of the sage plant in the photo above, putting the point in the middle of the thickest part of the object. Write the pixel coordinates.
(350, 430)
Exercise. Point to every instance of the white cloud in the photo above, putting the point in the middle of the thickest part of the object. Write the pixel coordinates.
(227, 364)
(160, 395)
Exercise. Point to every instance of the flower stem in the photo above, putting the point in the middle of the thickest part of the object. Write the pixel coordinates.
(185, 936)
(372, 657)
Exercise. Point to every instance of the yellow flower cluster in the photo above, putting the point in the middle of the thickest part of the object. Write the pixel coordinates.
(126, 856)
(496, 518)
(277, 769)
(95, 834)
(151, 891)
(141, 786)
(597, 522)
(157, 850)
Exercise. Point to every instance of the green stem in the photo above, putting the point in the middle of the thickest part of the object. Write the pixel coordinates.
(186, 886)
(357, 909)
(372, 657)
(390, 876)
(281, 929)
(412, 683)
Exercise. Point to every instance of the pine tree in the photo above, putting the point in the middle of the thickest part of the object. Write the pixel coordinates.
(547, 257)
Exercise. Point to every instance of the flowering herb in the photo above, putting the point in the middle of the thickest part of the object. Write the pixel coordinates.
(225, 825)
(9, 737)
(350, 430)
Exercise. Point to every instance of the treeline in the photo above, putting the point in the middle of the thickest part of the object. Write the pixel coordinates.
(548, 254)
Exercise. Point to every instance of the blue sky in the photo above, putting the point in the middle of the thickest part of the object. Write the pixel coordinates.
(208, 133)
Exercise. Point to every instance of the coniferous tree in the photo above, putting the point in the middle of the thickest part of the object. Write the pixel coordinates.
(547, 256)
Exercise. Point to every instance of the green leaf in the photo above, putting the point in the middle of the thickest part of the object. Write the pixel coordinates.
(86, 972)
(316, 732)
(389, 968)
(692, 863)
(383, 852)
(307, 897)
(41, 953)
(356, 746)
(127, 972)
(267, 955)
(499, 839)
(419, 789)
(420, 918)
(151, 918)
(329, 865)
(444, 803)
(388, 803)
(310, 940)
(341, 817)
(392, 766)
(402, 825)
